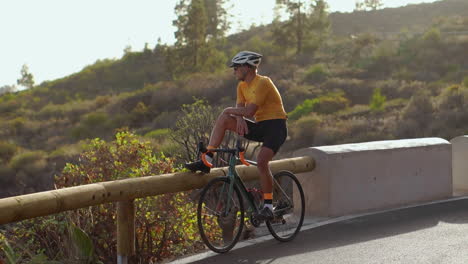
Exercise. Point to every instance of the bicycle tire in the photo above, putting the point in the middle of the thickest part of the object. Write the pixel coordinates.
(289, 213)
(212, 222)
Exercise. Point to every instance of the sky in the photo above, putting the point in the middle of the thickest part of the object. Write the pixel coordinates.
(56, 38)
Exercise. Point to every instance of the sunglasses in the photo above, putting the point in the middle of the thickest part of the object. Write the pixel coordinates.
(237, 66)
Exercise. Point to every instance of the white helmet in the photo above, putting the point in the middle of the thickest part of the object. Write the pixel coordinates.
(246, 57)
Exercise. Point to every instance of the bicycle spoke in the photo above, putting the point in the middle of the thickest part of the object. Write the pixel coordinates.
(220, 226)
(288, 215)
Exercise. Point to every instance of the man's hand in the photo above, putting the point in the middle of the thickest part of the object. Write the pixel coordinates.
(242, 128)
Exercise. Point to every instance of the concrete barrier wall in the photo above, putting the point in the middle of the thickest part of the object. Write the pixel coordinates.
(460, 164)
(354, 178)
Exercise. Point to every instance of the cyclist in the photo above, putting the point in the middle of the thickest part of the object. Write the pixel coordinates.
(257, 99)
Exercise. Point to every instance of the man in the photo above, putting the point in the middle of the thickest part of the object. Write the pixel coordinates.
(257, 97)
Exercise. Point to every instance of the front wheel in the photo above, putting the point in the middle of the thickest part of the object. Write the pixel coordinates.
(220, 215)
(288, 206)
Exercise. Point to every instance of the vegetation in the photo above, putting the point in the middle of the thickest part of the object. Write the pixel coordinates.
(368, 4)
(306, 27)
(378, 101)
(26, 79)
(344, 77)
(165, 224)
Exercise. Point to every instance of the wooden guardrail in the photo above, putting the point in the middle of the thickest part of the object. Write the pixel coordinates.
(124, 191)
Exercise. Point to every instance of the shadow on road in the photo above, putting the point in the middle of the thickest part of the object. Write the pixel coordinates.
(348, 232)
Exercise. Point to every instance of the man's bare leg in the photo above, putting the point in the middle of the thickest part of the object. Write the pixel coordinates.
(223, 122)
(266, 179)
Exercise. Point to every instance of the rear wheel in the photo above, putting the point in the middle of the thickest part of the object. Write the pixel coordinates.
(220, 215)
(288, 206)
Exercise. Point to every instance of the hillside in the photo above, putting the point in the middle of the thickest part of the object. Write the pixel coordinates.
(413, 17)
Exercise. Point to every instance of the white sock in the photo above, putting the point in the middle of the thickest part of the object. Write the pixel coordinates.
(269, 205)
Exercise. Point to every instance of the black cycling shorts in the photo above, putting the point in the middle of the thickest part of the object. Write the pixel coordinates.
(272, 133)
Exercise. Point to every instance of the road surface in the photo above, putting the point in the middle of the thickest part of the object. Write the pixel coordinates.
(435, 233)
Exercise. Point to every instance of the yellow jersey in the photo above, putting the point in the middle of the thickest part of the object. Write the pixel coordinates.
(262, 92)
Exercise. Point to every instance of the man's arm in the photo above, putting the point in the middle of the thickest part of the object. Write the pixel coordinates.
(240, 110)
(242, 128)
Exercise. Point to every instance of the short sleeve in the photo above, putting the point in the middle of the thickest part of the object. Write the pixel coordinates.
(262, 91)
(240, 96)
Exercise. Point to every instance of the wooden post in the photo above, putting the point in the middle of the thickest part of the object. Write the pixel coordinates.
(125, 230)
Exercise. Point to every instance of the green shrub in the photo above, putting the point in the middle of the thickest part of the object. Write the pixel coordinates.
(432, 36)
(331, 103)
(295, 94)
(164, 224)
(72, 110)
(452, 98)
(10, 106)
(101, 101)
(30, 162)
(303, 109)
(139, 114)
(51, 110)
(385, 49)
(377, 102)
(356, 90)
(316, 74)
(465, 82)
(408, 89)
(95, 119)
(417, 117)
(159, 133)
(7, 150)
(303, 131)
(351, 130)
(165, 119)
(29, 168)
(7, 175)
(66, 151)
(96, 124)
(327, 104)
(419, 108)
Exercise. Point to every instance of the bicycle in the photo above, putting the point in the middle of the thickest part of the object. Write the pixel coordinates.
(221, 214)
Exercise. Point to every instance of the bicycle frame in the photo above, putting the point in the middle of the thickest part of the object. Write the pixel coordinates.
(235, 179)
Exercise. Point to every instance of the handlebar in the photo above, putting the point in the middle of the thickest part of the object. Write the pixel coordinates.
(239, 150)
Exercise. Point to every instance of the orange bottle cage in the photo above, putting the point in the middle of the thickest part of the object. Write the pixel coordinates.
(203, 158)
(242, 159)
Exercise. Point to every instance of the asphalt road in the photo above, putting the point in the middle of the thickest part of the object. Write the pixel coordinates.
(436, 233)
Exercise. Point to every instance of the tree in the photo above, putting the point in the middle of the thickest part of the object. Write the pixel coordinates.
(26, 79)
(368, 5)
(295, 24)
(201, 24)
(359, 6)
(7, 89)
(217, 17)
(374, 4)
(306, 26)
(127, 50)
(192, 24)
(319, 21)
